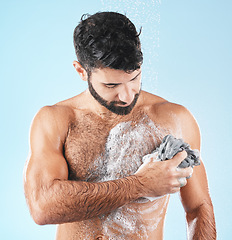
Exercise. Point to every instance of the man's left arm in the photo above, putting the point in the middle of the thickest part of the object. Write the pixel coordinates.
(195, 195)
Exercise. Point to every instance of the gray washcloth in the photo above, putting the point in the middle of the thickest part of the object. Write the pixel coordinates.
(170, 146)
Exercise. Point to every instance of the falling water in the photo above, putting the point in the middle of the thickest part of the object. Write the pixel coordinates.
(125, 220)
(145, 14)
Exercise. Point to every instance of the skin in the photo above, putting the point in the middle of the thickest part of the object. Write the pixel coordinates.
(68, 137)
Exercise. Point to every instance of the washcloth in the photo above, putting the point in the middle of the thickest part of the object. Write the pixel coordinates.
(168, 148)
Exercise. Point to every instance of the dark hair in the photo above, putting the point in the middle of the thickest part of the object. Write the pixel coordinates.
(107, 39)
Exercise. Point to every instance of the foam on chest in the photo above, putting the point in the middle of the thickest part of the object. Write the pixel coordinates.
(107, 154)
(126, 144)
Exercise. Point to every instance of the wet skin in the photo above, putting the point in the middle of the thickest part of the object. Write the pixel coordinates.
(81, 169)
(89, 153)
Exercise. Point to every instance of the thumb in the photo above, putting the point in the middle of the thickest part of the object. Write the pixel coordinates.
(147, 159)
(179, 157)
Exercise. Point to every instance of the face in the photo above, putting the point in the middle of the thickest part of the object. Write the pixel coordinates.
(116, 90)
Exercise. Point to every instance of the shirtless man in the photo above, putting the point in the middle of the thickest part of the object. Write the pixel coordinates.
(85, 151)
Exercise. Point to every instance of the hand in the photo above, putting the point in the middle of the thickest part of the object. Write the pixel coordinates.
(158, 178)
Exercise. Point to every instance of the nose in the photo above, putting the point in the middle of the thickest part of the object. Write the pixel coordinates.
(126, 95)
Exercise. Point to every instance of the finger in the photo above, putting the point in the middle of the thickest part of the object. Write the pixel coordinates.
(182, 182)
(150, 157)
(146, 160)
(179, 157)
(184, 172)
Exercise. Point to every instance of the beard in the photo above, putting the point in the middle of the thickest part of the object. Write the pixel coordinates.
(112, 105)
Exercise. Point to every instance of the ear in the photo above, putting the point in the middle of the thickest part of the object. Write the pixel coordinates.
(81, 71)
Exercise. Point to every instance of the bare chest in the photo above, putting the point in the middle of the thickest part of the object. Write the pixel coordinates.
(98, 151)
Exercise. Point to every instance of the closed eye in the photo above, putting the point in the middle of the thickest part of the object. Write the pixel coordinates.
(135, 78)
(111, 85)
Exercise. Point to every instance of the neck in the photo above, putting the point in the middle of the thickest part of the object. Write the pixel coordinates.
(95, 107)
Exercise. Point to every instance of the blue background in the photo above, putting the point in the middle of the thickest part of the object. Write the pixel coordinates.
(187, 49)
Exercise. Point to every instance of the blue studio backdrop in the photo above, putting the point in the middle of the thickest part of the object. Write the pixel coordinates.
(187, 60)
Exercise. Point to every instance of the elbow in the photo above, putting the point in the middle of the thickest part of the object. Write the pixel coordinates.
(39, 210)
(39, 206)
(40, 215)
(39, 219)
(38, 222)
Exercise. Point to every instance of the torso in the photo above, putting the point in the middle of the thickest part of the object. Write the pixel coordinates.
(100, 150)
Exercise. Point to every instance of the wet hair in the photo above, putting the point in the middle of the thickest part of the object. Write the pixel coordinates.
(107, 39)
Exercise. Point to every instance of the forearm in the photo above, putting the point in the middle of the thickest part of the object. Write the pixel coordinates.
(69, 201)
(201, 223)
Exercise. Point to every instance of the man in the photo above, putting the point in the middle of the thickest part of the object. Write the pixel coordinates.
(84, 170)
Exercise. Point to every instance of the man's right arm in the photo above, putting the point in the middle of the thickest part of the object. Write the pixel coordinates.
(53, 199)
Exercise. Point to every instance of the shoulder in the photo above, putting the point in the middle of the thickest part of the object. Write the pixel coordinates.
(157, 105)
(52, 121)
(54, 114)
(61, 113)
(173, 116)
(59, 117)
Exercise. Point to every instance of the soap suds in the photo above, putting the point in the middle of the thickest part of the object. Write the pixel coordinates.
(126, 144)
(125, 147)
